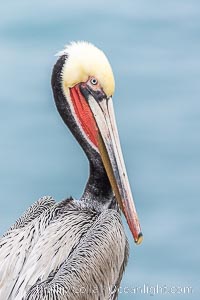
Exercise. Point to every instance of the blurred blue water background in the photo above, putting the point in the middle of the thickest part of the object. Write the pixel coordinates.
(154, 48)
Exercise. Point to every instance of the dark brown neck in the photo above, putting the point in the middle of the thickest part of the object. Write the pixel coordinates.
(98, 187)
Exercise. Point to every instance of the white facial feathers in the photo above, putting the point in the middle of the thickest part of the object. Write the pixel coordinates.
(85, 60)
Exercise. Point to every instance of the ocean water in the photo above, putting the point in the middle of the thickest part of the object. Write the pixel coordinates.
(154, 48)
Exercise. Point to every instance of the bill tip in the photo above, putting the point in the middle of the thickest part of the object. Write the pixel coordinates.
(139, 239)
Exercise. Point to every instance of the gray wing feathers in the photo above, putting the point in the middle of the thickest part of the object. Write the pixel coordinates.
(17, 243)
(33, 212)
(92, 268)
(62, 251)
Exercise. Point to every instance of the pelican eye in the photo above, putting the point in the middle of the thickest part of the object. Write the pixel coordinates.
(93, 81)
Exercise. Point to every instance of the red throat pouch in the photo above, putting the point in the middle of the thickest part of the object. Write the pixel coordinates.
(84, 115)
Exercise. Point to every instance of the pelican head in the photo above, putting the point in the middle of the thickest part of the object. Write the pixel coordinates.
(83, 85)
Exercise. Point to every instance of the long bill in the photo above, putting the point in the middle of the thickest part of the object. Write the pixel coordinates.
(111, 153)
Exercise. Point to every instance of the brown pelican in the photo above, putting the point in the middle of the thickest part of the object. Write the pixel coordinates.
(76, 249)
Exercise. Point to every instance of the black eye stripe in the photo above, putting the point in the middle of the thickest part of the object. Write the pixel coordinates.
(87, 90)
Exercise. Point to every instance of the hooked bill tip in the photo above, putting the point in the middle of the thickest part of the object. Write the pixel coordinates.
(140, 239)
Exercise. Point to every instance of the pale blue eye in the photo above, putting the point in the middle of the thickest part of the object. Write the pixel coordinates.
(93, 81)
